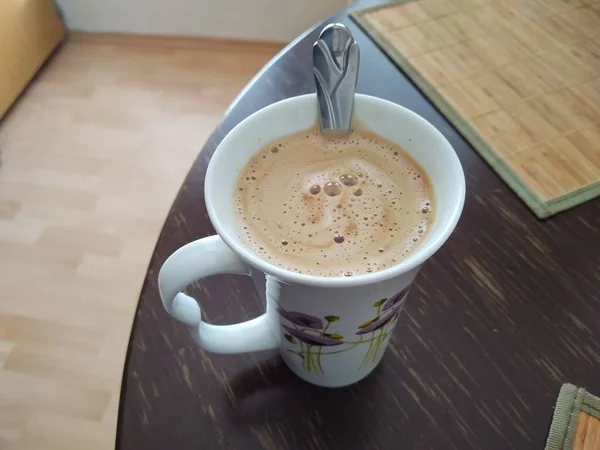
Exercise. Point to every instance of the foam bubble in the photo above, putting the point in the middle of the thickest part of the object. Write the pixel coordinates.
(348, 179)
(333, 188)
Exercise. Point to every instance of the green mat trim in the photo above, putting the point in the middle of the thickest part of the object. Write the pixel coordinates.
(541, 208)
(571, 401)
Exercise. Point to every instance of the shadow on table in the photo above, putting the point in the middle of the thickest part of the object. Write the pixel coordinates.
(270, 394)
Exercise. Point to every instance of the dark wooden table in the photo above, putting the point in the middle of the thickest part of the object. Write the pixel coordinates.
(504, 314)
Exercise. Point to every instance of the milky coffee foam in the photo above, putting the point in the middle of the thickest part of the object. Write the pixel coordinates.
(333, 206)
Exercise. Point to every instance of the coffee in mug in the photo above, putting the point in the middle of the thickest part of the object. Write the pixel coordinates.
(333, 206)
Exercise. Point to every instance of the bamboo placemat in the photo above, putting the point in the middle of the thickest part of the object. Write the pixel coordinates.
(520, 79)
(576, 421)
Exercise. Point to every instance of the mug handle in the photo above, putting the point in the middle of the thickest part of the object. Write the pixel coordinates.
(201, 259)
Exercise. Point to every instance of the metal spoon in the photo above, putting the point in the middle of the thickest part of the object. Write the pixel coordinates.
(335, 66)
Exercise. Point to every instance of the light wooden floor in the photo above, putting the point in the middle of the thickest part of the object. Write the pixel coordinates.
(92, 157)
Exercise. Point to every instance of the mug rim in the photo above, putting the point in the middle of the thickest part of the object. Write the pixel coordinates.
(414, 260)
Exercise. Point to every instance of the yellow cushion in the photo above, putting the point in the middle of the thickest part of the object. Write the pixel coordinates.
(29, 31)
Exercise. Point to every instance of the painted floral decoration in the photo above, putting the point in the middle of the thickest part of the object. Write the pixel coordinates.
(388, 310)
(310, 334)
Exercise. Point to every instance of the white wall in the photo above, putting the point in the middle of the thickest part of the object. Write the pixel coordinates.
(274, 20)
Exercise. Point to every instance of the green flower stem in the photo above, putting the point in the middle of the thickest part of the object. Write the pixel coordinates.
(378, 348)
(374, 349)
(304, 363)
(374, 346)
(371, 342)
(354, 344)
(366, 358)
(311, 361)
(364, 361)
(320, 352)
(304, 360)
(383, 333)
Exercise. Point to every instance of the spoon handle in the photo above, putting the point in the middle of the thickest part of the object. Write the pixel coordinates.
(335, 67)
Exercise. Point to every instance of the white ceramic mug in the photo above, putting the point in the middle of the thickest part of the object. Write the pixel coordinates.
(331, 331)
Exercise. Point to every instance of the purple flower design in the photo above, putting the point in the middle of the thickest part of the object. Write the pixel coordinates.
(311, 338)
(395, 299)
(390, 309)
(379, 323)
(302, 320)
